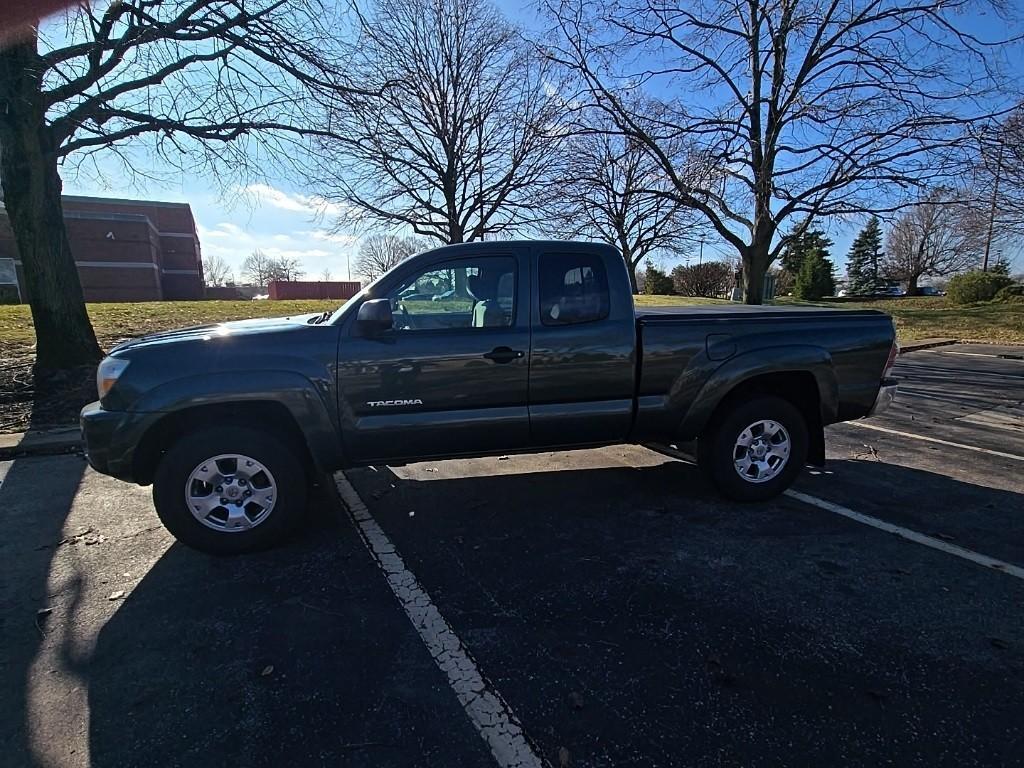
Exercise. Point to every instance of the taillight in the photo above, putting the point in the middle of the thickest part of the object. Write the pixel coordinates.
(893, 354)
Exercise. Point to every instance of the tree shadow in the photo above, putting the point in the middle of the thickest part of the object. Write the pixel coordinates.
(744, 634)
(36, 496)
(296, 656)
(299, 656)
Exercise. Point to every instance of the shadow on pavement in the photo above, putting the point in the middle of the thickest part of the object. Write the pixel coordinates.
(297, 656)
(35, 498)
(632, 617)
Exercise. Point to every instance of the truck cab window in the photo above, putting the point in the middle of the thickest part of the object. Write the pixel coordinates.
(573, 289)
(469, 293)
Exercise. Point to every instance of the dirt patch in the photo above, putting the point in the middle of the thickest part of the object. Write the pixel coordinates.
(24, 405)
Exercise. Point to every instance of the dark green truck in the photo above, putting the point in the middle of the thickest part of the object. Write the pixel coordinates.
(469, 350)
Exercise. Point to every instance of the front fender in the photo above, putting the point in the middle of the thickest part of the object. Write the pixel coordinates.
(308, 405)
(760, 362)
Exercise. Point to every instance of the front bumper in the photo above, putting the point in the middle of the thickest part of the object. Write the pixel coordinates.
(886, 394)
(103, 434)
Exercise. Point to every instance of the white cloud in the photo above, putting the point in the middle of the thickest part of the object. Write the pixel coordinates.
(312, 205)
(330, 237)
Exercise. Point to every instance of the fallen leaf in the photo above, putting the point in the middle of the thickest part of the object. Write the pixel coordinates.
(431, 469)
(505, 458)
(412, 513)
(576, 699)
(267, 670)
(116, 595)
(998, 642)
(44, 612)
(563, 757)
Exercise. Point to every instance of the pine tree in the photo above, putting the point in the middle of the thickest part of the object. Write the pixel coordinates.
(656, 282)
(862, 262)
(801, 246)
(815, 278)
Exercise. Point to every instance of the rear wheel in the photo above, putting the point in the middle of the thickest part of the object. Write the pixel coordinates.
(230, 490)
(754, 449)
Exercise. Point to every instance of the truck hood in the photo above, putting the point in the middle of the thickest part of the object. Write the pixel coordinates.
(234, 328)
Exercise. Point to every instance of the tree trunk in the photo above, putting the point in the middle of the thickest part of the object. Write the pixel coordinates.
(32, 187)
(912, 289)
(755, 267)
(631, 266)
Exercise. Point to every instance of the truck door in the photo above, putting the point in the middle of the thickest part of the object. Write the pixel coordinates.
(582, 361)
(450, 376)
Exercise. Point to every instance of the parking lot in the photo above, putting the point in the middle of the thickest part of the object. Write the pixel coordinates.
(590, 608)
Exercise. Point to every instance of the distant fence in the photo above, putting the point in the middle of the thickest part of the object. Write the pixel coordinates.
(224, 293)
(307, 289)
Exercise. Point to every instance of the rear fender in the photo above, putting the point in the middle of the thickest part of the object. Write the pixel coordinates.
(770, 361)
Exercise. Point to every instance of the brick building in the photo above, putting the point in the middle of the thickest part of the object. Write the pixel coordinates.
(127, 250)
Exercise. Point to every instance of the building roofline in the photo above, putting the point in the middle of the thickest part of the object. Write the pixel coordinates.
(125, 201)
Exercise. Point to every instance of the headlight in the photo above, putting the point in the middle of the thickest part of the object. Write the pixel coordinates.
(108, 373)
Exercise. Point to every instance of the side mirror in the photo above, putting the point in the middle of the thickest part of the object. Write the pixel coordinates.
(374, 317)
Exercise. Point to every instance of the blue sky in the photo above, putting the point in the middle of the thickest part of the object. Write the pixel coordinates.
(283, 219)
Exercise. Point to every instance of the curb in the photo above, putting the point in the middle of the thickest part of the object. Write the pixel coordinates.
(41, 442)
(917, 346)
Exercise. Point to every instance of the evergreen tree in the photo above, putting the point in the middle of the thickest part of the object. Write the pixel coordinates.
(815, 277)
(862, 261)
(656, 282)
(801, 246)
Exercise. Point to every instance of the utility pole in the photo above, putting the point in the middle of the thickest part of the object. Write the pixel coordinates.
(700, 258)
(992, 207)
(348, 264)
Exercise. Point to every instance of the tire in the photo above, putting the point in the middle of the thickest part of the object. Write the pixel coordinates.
(268, 480)
(768, 476)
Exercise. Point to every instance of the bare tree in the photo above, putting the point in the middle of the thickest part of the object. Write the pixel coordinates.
(286, 268)
(258, 268)
(379, 253)
(999, 180)
(200, 83)
(938, 237)
(456, 139)
(610, 188)
(216, 271)
(808, 108)
(326, 275)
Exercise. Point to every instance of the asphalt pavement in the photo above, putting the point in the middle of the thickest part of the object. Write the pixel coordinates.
(614, 606)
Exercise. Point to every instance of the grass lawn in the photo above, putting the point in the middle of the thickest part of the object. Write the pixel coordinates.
(114, 322)
(916, 318)
(923, 317)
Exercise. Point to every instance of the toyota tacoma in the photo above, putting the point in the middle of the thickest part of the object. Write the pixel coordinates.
(470, 350)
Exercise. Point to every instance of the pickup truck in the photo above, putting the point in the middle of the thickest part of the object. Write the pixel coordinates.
(470, 350)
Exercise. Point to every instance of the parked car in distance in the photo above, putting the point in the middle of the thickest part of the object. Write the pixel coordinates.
(540, 348)
(928, 290)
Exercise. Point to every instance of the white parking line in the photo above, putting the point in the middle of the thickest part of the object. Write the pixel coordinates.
(1012, 358)
(877, 428)
(910, 535)
(490, 715)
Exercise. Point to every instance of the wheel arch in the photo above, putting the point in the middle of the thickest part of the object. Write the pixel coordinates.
(270, 415)
(803, 376)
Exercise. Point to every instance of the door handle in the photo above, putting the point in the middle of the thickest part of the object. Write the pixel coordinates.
(503, 354)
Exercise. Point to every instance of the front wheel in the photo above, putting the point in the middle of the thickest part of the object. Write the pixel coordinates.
(230, 490)
(753, 450)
